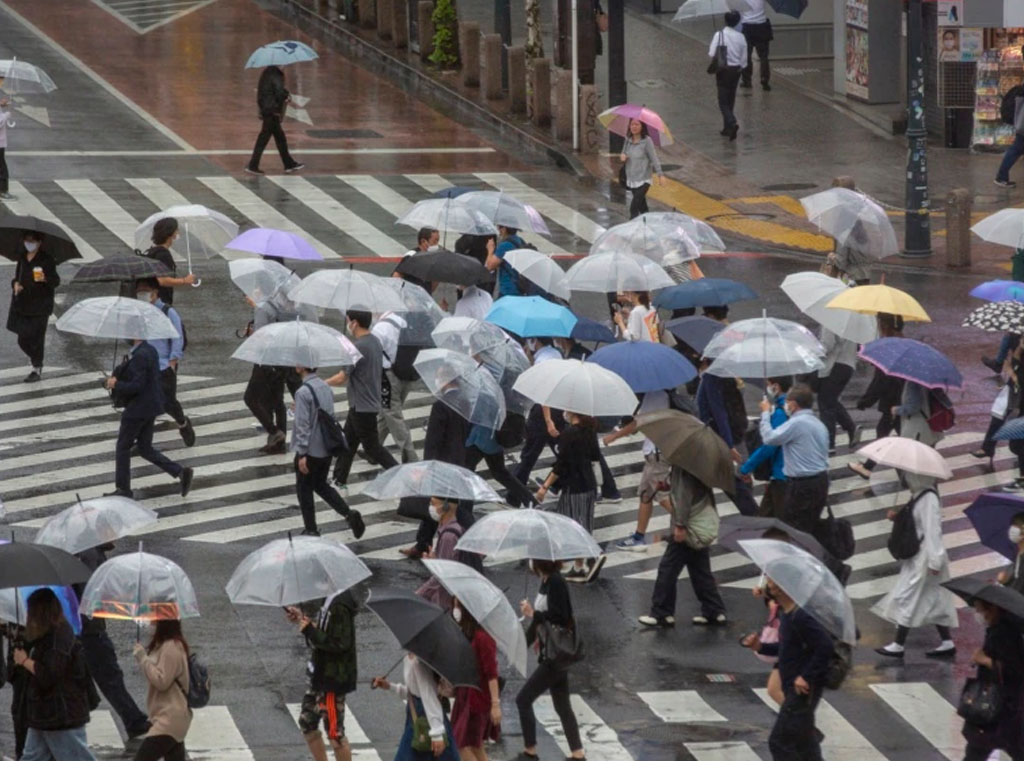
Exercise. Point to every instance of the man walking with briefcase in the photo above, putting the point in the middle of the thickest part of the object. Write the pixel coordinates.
(728, 54)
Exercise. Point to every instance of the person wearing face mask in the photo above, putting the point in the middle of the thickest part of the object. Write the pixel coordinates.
(772, 503)
(32, 291)
(918, 598)
(394, 391)
(1013, 577)
(169, 353)
(419, 692)
(476, 713)
(427, 239)
(442, 513)
(165, 232)
(508, 278)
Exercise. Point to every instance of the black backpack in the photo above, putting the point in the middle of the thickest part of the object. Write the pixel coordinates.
(904, 543)
(333, 433)
(836, 535)
(199, 684)
(512, 432)
(838, 665)
(1008, 106)
(678, 401)
(166, 309)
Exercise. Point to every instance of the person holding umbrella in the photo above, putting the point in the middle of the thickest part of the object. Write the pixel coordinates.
(271, 100)
(164, 662)
(773, 501)
(5, 193)
(422, 702)
(442, 514)
(165, 232)
(641, 159)
(885, 391)
(508, 278)
(476, 713)
(33, 287)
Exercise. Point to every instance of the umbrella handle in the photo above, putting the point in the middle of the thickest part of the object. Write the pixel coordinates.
(198, 282)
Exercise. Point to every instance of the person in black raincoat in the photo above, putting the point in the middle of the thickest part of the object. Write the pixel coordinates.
(32, 289)
(272, 98)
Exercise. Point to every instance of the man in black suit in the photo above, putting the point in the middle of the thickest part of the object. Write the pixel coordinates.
(139, 385)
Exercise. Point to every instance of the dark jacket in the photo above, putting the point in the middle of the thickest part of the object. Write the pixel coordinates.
(577, 450)
(559, 610)
(884, 390)
(804, 650)
(92, 559)
(271, 95)
(163, 255)
(1005, 646)
(57, 697)
(446, 435)
(139, 383)
(35, 298)
(333, 640)
(713, 409)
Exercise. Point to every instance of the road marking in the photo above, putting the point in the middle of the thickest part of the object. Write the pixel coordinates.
(102, 207)
(379, 192)
(929, 713)
(28, 204)
(842, 741)
(721, 750)
(102, 735)
(785, 202)
(213, 735)
(362, 747)
(599, 741)
(192, 152)
(574, 221)
(161, 194)
(681, 707)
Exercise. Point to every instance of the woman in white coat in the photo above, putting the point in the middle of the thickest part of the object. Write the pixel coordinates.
(918, 597)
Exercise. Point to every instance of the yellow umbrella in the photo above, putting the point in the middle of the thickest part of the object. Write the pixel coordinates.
(875, 299)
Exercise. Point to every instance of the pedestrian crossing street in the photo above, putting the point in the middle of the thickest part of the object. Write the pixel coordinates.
(52, 454)
(917, 717)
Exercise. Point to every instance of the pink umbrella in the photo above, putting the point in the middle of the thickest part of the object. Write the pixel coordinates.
(616, 120)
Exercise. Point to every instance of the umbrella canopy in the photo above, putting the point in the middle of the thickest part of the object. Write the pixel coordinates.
(345, 289)
(119, 268)
(442, 266)
(114, 317)
(695, 332)
(808, 582)
(736, 528)
(139, 587)
(422, 314)
(506, 211)
(280, 53)
(1011, 430)
(455, 191)
(485, 603)
(21, 77)
(447, 215)
(854, 221)
(506, 364)
(690, 444)
(297, 342)
(531, 317)
(274, 242)
(427, 479)
(464, 385)
(27, 565)
(295, 570)
(261, 279)
(875, 299)
(908, 455)
(203, 231)
(616, 120)
(812, 291)
(794, 8)
(580, 387)
(1005, 227)
(529, 533)
(1005, 316)
(426, 631)
(999, 290)
(14, 605)
(605, 272)
(971, 588)
(90, 523)
(645, 365)
(992, 514)
(763, 347)
(914, 361)
(541, 270)
(591, 330)
(704, 292)
(692, 9)
(56, 241)
(660, 236)
(468, 335)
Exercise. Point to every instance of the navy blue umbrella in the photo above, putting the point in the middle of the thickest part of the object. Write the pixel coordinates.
(645, 365)
(794, 8)
(706, 292)
(991, 515)
(591, 330)
(914, 361)
(454, 191)
(694, 332)
(1011, 430)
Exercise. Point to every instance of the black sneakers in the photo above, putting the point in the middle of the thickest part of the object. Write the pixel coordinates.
(186, 479)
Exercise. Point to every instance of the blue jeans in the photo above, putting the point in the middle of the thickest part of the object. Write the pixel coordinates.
(69, 744)
(1013, 153)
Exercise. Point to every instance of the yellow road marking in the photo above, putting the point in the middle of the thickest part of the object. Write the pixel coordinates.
(785, 202)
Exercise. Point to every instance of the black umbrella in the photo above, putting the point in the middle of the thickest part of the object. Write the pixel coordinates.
(971, 588)
(56, 241)
(794, 8)
(736, 528)
(26, 565)
(444, 267)
(423, 629)
(121, 267)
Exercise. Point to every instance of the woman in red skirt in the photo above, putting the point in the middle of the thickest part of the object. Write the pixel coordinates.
(477, 713)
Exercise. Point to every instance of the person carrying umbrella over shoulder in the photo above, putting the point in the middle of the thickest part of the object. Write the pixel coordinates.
(32, 291)
(420, 694)
(165, 232)
(271, 99)
(641, 165)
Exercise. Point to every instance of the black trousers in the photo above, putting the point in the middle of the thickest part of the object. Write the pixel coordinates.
(537, 438)
(698, 561)
(138, 432)
(264, 396)
(774, 500)
(4, 175)
(316, 482)
(161, 748)
(518, 494)
(743, 498)
(831, 410)
(271, 127)
(761, 47)
(805, 498)
(794, 736)
(546, 678)
(361, 429)
(638, 203)
(32, 337)
(101, 659)
(887, 424)
(169, 384)
(728, 80)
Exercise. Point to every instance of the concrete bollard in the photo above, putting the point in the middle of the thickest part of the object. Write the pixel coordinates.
(367, 13)
(590, 106)
(400, 23)
(561, 103)
(541, 96)
(846, 182)
(425, 28)
(491, 66)
(958, 228)
(517, 79)
(469, 42)
(384, 18)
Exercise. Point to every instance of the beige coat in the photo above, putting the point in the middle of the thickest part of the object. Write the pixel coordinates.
(165, 669)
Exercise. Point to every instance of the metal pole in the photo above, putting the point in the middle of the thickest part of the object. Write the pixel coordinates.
(575, 81)
(918, 242)
(503, 26)
(616, 63)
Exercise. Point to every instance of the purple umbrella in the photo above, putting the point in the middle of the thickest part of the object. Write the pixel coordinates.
(991, 515)
(914, 361)
(275, 242)
(999, 290)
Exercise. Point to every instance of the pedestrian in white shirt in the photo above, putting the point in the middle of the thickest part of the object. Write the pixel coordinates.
(394, 390)
(474, 302)
(4, 117)
(420, 695)
(757, 29)
(728, 77)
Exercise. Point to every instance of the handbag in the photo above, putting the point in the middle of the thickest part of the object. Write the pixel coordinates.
(836, 536)
(562, 645)
(331, 431)
(769, 634)
(981, 701)
(720, 61)
(421, 741)
(622, 176)
(1001, 404)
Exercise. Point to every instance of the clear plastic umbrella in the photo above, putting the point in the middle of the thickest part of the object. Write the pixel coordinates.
(604, 272)
(485, 603)
(295, 570)
(448, 215)
(203, 231)
(297, 342)
(345, 289)
(260, 279)
(762, 347)
(812, 291)
(468, 335)
(22, 77)
(87, 524)
(507, 363)
(580, 387)
(422, 314)
(280, 53)
(541, 270)
(808, 582)
(658, 236)
(853, 220)
(505, 210)
(691, 9)
(139, 587)
(430, 478)
(529, 533)
(115, 317)
(1005, 227)
(464, 385)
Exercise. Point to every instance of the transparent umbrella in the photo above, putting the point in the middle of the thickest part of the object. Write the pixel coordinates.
(812, 291)
(297, 342)
(422, 314)
(20, 77)
(345, 289)
(295, 570)
(691, 9)
(203, 231)
(762, 347)
(139, 587)
(580, 387)
(468, 335)
(506, 364)
(854, 221)
(605, 272)
(464, 385)
(448, 215)
(87, 524)
(260, 279)
(659, 236)
(430, 478)
(505, 210)
(115, 317)
(541, 270)
(529, 533)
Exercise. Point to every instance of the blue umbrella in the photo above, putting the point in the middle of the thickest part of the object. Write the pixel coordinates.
(1011, 430)
(645, 365)
(991, 515)
(705, 292)
(794, 8)
(280, 53)
(531, 316)
(694, 332)
(591, 330)
(11, 612)
(454, 191)
(999, 290)
(914, 361)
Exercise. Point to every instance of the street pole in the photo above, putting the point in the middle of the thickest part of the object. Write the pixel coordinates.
(575, 80)
(918, 240)
(616, 64)
(503, 27)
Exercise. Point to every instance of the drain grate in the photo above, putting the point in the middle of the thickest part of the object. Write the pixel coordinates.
(339, 133)
(789, 186)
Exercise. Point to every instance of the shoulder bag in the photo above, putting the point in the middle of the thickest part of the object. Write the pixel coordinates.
(331, 431)
(981, 701)
(720, 61)
(562, 646)
(836, 535)
(421, 741)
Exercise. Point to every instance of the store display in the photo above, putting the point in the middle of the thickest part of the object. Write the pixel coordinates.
(997, 72)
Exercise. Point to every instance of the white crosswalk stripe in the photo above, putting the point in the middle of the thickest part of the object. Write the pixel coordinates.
(362, 749)
(599, 741)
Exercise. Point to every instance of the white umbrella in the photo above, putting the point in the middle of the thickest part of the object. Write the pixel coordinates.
(909, 455)
(1005, 227)
(604, 272)
(485, 603)
(297, 342)
(529, 533)
(345, 289)
(660, 236)
(261, 279)
(763, 347)
(139, 586)
(691, 9)
(22, 77)
(115, 317)
(203, 230)
(87, 524)
(580, 387)
(541, 270)
(853, 220)
(505, 210)
(464, 385)
(425, 479)
(812, 291)
(447, 215)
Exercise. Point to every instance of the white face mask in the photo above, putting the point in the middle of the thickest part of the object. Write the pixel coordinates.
(434, 247)
(434, 514)
(788, 408)
(143, 296)
(31, 245)
(1015, 534)
(457, 613)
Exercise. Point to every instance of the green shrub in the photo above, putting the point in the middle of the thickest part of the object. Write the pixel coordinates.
(446, 35)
